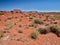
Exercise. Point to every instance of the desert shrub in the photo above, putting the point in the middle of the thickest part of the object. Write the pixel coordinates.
(55, 29)
(4, 31)
(9, 26)
(47, 16)
(43, 30)
(55, 22)
(57, 16)
(1, 34)
(26, 15)
(16, 12)
(20, 31)
(9, 18)
(16, 17)
(46, 24)
(31, 17)
(20, 25)
(44, 20)
(58, 33)
(34, 34)
(2, 12)
(14, 23)
(34, 25)
(38, 21)
(18, 39)
(11, 12)
(52, 17)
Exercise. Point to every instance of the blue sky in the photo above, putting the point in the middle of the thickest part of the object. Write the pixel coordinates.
(39, 5)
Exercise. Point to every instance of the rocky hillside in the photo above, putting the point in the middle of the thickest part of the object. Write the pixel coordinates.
(29, 28)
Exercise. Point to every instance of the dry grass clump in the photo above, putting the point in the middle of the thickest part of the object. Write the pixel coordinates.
(44, 30)
(55, 29)
(57, 16)
(38, 21)
(2, 12)
(1, 34)
(9, 25)
(34, 34)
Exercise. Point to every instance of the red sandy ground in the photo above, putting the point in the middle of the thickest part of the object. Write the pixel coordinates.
(25, 39)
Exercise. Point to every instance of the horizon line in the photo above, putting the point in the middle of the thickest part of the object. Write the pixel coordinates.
(33, 10)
